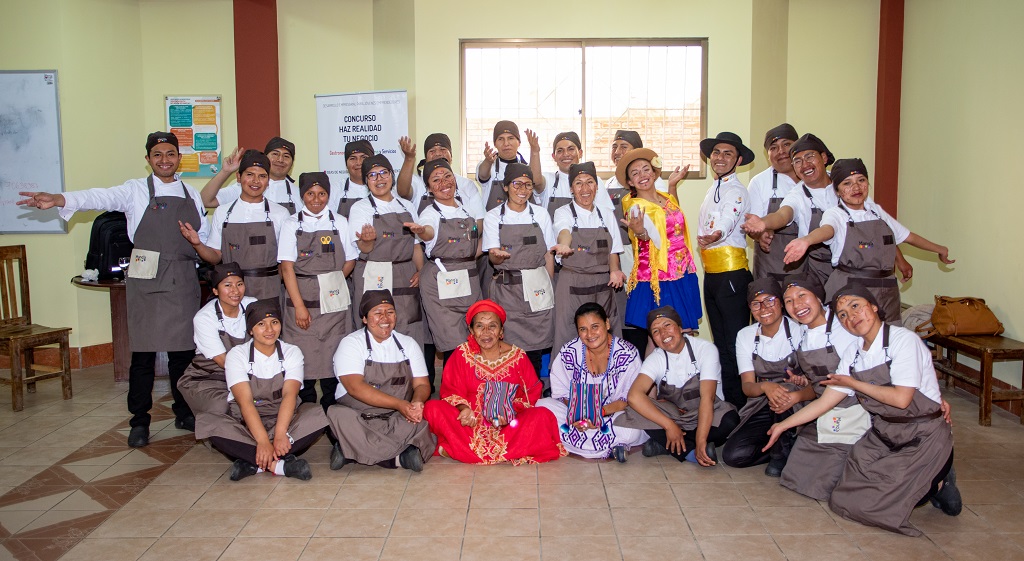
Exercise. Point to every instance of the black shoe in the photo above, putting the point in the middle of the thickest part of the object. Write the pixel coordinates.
(653, 448)
(710, 451)
(138, 437)
(410, 458)
(241, 469)
(948, 498)
(296, 468)
(619, 453)
(338, 460)
(187, 423)
(774, 467)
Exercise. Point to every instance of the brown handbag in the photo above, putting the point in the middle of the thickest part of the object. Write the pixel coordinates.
(962, 316)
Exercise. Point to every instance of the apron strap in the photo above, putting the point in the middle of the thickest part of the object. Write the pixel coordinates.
(369, 349)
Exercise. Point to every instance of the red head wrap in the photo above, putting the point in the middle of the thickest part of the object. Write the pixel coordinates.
(476, 308)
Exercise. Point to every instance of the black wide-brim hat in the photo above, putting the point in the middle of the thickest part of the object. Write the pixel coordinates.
(732, 139)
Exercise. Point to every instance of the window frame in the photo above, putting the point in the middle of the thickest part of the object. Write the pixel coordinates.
(469, 170)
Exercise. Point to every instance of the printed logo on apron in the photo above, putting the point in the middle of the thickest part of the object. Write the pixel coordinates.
(377, 276)
(843, 425)
(537, 289)
(334, 296)
(143, 264)
(453, 284)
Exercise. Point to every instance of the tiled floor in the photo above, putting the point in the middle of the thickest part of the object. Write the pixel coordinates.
(71, 489)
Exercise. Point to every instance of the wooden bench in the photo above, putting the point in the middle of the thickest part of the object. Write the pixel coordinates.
(986, 349)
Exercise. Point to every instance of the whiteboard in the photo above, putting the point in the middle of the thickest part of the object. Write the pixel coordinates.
(30, 149)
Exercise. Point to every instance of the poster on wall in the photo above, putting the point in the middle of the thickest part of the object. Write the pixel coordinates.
(379, 117)
(195, 120)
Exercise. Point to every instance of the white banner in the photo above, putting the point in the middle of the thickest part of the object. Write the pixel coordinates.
(380, 117)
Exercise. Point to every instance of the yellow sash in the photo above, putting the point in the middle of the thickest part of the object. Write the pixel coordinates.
(723, 259)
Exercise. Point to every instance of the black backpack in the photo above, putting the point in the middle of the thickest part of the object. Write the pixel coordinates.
(108, 242)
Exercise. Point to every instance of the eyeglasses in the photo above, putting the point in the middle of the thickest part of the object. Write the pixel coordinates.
(383, 174)
(521, 185)
(809, 158)
(768, 302)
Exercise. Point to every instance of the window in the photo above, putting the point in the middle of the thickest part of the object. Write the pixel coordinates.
(591, 87)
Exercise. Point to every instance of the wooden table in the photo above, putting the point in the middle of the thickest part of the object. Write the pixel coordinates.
(118, 322)
(987, 350)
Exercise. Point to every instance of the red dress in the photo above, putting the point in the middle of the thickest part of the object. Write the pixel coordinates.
(532, 438)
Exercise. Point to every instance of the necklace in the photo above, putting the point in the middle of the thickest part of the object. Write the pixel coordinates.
(593, 370)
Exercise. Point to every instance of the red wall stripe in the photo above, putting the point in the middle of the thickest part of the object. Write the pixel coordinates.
(887, 116)
(257, 83)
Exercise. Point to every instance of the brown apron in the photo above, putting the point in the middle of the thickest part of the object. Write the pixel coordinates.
(394, 244)
(584, 278)
(160, 310)
(771, 264)
(326, 331)
(819, 256)
(681, 404)
(456, 243)
(203, 384)
(814, 468)
(868, 257)
(524, 328)
(345, 204)
(626, 257)
(555, 203)
(290, 203)
(369, 434)
(768, 371)
(253, 245)
(892, 467)
(267, 395)
(497, 195)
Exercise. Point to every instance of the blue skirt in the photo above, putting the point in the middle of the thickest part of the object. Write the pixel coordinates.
(682, 294)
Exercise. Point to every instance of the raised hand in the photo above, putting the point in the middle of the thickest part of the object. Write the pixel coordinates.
(408, 148)
(234, 160)
(533, 139)
(678, 175)
(490, 154)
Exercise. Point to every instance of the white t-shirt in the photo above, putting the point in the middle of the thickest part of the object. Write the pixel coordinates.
(236, 365)
(760, 190)
(564, 189)
(244, 213)
(351, 355)
(680, 368)
(465, 188)
(362, 214)
(206, 327)
(430, 217)
(588, 219)
(277, 192)
(816, 338)
(727, 214)
(287, 250)
(492, 219)
(132, 198)
(837, 218)
(911, 362)
(824, 199)
(769, 348)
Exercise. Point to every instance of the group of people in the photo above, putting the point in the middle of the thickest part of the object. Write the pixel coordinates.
(360, 285)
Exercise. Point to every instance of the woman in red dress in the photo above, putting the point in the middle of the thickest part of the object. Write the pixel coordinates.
(486, 413)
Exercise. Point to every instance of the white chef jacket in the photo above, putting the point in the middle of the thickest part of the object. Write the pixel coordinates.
(277, 192)
(824, 198)
(287, 249)
(588, 219)
(492, 219)
(465, 189)
(768, 348)
(362, 214)
(207, 327)
(244, 213)
(430, 217)
(837, 218)
(564, 189)
(356, 191)
(911, 362)
(760, 190)
(727, 214)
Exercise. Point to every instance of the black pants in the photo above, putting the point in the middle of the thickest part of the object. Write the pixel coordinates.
(717, 435)
(537, 358)
(242, 451)
(141, 375)
(327, 388)
(638, 338)
(725, 298)
(744, 448)
(938, 479)
(429, 358)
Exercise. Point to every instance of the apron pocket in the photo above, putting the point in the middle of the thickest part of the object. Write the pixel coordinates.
(377, 276)
(334, 296)
(453, 284)
(537, 289)
(843, 425)
(144, 264)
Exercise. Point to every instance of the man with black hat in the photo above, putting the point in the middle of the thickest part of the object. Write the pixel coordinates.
(354, 189)
(689, 416)
(505, 152)
(567, 150)
(412, 184)
(246, 230)
(281, 188)
(162, 286)
(767, 189)
(723, 251)
(378, 418)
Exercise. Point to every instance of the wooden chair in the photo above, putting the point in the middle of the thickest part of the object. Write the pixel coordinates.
(19, 336)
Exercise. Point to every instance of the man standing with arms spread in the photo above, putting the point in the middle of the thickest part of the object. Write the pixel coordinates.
(723, 251)
(767, 189)
(162, 286)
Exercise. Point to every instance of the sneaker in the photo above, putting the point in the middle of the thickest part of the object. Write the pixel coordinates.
(338, 460)
(653, 448)
(948, 498)
(410, 459)
(241, 469)
(619, 453)
(187, 423)
(296, 468)
(138, 437)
